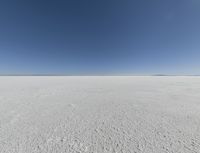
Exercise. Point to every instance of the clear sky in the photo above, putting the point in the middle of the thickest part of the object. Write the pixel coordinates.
(99, 37)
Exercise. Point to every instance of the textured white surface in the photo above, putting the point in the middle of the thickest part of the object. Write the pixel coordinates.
(99, 114)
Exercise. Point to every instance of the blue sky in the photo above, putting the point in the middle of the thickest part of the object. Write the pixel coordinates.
(89, 37)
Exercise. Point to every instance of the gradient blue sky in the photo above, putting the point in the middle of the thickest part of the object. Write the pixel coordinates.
(99, 37)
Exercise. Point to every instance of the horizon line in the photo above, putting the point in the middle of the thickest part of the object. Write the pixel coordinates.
(99, 75)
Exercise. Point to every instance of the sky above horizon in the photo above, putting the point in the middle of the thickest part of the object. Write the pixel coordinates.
(75, 37)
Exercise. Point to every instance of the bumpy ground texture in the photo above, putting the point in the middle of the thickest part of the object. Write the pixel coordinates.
(100, 114)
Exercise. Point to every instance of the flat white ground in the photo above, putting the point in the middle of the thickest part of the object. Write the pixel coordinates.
(99, 114)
